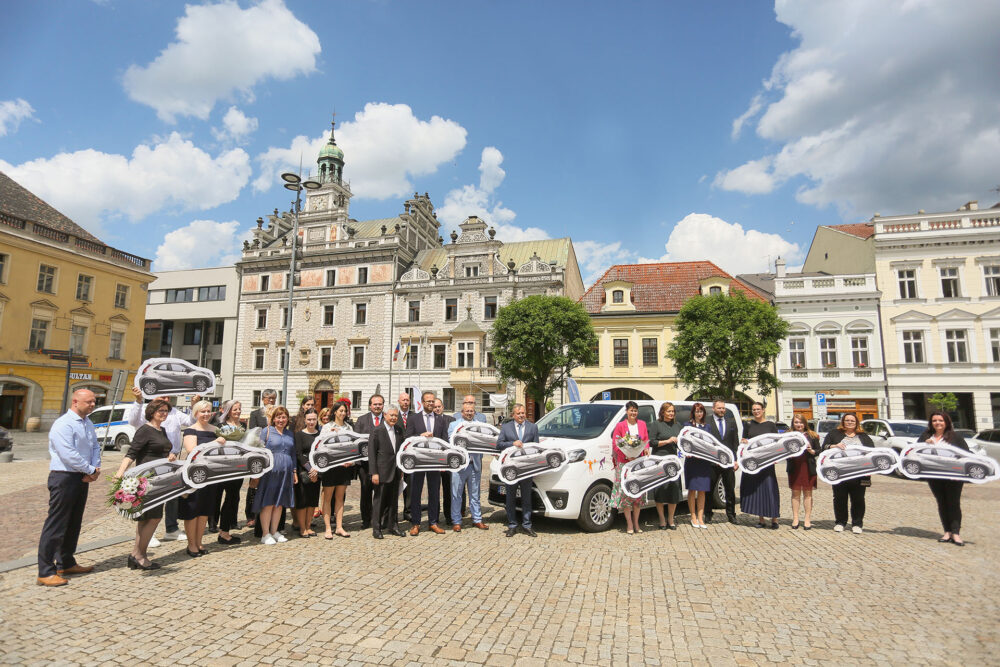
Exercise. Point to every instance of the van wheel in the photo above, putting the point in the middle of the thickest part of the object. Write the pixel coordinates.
(596, 512)
(121, 440)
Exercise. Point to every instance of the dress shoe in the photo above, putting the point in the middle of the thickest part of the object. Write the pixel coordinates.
(197, 554)
(213, 529)
(134, 564)
(437, 531)
(397, 532)
(365, 525)
(415, 530)
(377, 534)
(52, 580)
(731, 519)
(481, 526)
(233, 539)
(76, 569)
(529, 532)
(457, 528)
(511, 532)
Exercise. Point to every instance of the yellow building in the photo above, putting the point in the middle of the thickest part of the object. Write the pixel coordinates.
(61, 289)
(633, 308)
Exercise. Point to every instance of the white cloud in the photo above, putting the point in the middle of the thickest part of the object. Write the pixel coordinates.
(594, 258)
(468, 200)
(200, 244)
(384, 147)
(12, 112)
(236, 126)
(881, 107)
(221, 50)
(87, 185)
(732, 248)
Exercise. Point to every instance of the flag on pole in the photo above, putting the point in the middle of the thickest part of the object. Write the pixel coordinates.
(395, 354)
(406, 352)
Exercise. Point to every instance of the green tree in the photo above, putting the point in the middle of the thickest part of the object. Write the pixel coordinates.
(537, 340)
(727, 342)
(944, 402)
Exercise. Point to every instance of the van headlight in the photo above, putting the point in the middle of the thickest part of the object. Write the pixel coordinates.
(577, 455)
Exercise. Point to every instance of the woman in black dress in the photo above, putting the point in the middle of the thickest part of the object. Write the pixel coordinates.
(847, 434)
(148, 444)
(759, 493)
(947, 492)
(336, 480)
(802, 474)
(226, 510)
(197, 506)
(307, 488)
(697, 474)
(663, 441)
(299, 421)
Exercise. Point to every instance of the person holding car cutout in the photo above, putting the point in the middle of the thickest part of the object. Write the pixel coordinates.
(383, 443)
(469, 477)
(947, 492)
(336, 479)
(428, 425)
(275, 491)
(802, 474)
(698, 473)
(632, 427)
(514, 434)
(663, 442)
(849, 434)
(759, 493)
(197, 506)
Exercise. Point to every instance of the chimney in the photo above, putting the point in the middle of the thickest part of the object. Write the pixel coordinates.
(970, 205)
(779, 268)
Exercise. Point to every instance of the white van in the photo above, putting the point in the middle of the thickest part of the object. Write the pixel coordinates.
(582, 490)
(112, 429)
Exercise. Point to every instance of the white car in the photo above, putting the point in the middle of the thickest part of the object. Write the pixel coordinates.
(986, 443)
(581, 490)
(113, 430)
(894, 433)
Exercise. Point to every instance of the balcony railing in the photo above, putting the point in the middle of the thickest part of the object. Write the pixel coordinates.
(800, 286)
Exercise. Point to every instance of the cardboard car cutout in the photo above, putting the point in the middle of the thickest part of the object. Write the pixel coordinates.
(173, 377)
(476, 438)
(210, 463)
(338, 448)
(767, 449)
(517, 463)
(166, 481)
(837, 465)
(703, 445)
(648, 472)
(419, 453)
(926, 460)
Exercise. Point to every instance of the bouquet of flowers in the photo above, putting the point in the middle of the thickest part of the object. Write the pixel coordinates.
(126, 495)
(630, 445)
(231, 433)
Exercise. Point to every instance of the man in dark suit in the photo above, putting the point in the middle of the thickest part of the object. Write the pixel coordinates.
(404, 417)
(722, 425)
(258, 418)
(383, 443)
(514, 434)
(427, 424)
(367, 423)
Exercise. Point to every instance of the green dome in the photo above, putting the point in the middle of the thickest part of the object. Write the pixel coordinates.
(331, 150)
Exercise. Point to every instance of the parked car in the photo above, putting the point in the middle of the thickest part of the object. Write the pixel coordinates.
(478, 438)
(6, 440)
(987, 443)
(896, 433)
(581, 489)
(337, 448)
(782, 427)
(174, 376)
(650, 472)
(823, 426)
(771, 448)
(431, 454)
(930, 461)
(855, 462)
(528, 459)
(111, 427)
(696, 442)
(223, 462)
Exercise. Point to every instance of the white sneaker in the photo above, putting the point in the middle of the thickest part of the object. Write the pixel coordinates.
(267, 539)
(170, 535)
(278, 537)
(838, 528)
(153, 542)
(856, 530)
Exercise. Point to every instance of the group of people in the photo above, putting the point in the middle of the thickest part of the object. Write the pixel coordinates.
(164, 431)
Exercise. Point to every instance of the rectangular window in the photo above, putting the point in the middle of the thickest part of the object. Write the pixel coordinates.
(412, 357)
(992, 274)
(284, 317)
(490, 308)
(472, 271)
(192, 333)
(363, 275)
(83, 287)
(216, 366)
(116, 346)
(258, 362)
(265, 283)
(358, 357)
(282, 359)
(356, 399)
(328, 311)
(620, 348)
(484, 401)
(797, 352)
(907, 283)
(859, 351)
(256, 397)
(448, 399)
(213, 293)
(220, 330)
(178, 295)
(4, 263)
(995, 343)
(325, 358)
(441, 355)
(949, 282)
(121, 296)
(650, 352)
(451, 310)
(913, 347)
(597, 355)
(39, 332)
(618, 296)
(331, 277)
(956, 346)
(466, 355)
(489, 359)
(360, 313)
(77, 339)
(262, 318)
(828, 352)
(413, 312)
(47, 279)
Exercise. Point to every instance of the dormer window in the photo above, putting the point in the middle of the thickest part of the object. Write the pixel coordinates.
(618, 296)
(715, 290)
(471, 270)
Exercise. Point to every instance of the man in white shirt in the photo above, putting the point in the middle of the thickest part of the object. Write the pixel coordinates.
(467, 478)
(383, 443)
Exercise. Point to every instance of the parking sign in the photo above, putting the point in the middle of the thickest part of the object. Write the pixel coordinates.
(605, 395)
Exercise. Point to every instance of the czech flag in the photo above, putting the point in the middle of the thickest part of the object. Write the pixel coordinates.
(395, 354)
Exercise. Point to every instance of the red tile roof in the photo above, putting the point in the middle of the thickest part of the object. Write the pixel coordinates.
(862, 230)
(662, 287)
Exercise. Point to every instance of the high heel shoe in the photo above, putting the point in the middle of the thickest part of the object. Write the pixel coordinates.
(134, 564)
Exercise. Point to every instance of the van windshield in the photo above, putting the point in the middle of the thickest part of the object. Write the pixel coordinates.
(577, 422)
(902, 428)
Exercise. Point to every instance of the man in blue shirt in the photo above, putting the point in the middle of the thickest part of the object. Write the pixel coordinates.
(75, 463)
(467, 478)
(469, 399)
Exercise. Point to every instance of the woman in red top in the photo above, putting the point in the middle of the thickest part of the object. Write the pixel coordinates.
(629, 426)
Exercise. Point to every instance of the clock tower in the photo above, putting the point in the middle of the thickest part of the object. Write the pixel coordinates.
(332, 199)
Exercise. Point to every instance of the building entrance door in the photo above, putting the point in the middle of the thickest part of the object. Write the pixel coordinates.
(12, 402)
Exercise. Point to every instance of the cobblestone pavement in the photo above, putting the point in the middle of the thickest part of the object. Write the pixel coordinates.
(726, 595)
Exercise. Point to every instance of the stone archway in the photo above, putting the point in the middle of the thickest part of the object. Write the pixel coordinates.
(20, 400)
(623, 394)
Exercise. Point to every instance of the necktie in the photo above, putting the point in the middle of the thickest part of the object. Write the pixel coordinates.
(722, 428)
(378, 421)
(429, 419)
(520, 432)
(404, 420)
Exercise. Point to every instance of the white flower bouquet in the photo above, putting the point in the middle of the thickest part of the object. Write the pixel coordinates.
(630, 445)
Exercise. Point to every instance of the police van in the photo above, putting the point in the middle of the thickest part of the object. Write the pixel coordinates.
(582, 489)
(112, 428)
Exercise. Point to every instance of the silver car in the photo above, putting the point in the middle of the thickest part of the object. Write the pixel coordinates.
(477, 438)
(173, 376)
(696, 442)
(650, 472)
(431, 454)
(338, 448)
(223, 462)
(930, 461)
(528, 459)
(855, 462)
(768, 449)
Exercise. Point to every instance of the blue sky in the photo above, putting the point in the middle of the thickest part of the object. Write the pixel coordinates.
(645, 131)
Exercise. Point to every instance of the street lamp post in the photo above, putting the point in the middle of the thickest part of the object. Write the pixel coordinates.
(292, 182)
